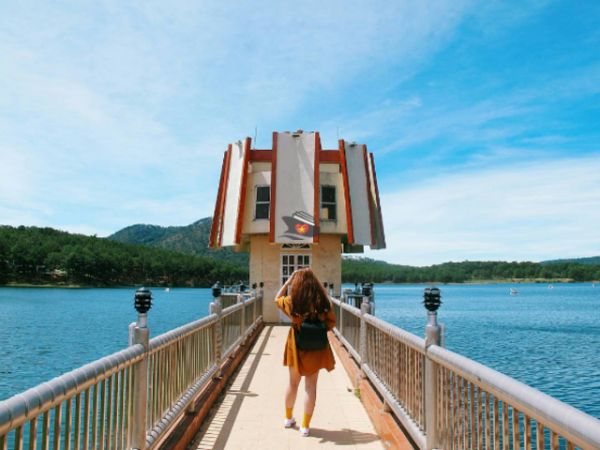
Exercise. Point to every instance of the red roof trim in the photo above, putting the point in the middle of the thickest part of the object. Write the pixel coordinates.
(260, 156)
(224, 197)
(369, 197)
(273, 188)
(378, 203)
(242, 200)
(346, 191)
(326, 156)
(330, 156)
(217, 214)
(317, 187)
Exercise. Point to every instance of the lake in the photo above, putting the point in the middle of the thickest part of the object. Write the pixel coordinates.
(547, 338)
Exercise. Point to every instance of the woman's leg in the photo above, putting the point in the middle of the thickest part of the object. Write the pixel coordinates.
(292, 389)
(310, 397)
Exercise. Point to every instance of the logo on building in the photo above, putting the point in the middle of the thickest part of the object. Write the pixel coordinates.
(300, 226)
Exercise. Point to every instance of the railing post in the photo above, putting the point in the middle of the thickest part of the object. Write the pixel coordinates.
(243, 315)
(432, 337)
(217, 334)
(365, 308)
(261, 293)
(216, 308)
(140, 335)
(254, 305)
(343, 299)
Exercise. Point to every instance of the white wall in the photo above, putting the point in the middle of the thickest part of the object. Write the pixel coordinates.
(232, 195)
(359, 200)
(295, 181)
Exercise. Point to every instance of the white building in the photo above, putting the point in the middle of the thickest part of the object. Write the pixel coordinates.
(297, 205)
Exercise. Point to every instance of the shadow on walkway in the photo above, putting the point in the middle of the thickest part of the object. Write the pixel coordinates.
(344, 436)
(240, 392)
(247, 415)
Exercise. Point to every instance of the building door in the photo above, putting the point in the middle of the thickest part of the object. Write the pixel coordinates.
(289, 263)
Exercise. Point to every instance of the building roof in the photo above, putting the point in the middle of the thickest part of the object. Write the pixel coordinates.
(295, 163)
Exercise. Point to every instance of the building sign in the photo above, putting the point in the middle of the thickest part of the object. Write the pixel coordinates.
(294, 188)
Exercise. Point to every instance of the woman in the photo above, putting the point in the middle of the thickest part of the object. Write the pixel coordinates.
(303, 296)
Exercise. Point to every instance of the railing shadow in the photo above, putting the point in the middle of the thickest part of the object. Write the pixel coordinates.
(242, 392)
(345, 436)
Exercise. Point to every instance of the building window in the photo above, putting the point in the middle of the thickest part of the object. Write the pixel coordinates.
(263, 202)
(328, 203)
(295, 246)
(291, 263)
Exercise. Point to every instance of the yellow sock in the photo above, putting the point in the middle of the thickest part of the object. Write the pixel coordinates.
(306, 420)
(288, 413)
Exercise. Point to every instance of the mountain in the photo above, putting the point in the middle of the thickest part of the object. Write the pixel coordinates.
(592, 260)
(190, 239)
(193, 240)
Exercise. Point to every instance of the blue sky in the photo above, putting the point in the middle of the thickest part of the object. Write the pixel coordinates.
(484, 117)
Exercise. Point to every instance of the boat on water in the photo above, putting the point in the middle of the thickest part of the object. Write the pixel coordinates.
(550, 286)
(167, 289)
(513, 291)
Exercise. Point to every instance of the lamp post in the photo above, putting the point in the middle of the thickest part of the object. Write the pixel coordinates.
(216, 308)
(142, 304)
(141, 335)
(432, 300)
(216, 289)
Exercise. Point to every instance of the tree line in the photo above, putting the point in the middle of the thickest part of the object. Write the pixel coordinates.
(35, 255)
(32, 255)
(367, 270)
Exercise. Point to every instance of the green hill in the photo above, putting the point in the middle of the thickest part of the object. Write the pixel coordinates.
(193, 239)
(32, 255)
(592, 260)
(190, 239)
(178, 256)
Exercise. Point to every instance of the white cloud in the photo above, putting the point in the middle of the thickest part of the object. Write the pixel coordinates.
(111, 104)
(533, 211)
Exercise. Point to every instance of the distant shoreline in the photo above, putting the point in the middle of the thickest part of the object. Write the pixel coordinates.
(424, 283)
(59, 286)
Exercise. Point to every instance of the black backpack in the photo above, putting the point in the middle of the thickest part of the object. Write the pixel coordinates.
(312, 335)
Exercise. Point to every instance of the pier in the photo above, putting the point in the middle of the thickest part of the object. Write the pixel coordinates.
(218, 383)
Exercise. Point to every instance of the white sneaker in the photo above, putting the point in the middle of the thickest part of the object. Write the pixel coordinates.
(304, 432)
(289, 423)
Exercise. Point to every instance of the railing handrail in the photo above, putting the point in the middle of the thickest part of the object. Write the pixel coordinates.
(21, 407)
(166, 338)
(412, 340)
(572, 423)
(114, 387)
(354, 310)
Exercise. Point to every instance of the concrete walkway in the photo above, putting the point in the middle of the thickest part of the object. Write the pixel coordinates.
(250, 414)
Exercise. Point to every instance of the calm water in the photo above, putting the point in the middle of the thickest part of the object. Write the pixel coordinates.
(547, 338)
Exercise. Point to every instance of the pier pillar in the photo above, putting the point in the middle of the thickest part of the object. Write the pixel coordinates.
(140, 335)
(261, 293)
(365, 308)
(431, 300)
(217, 337)
(243, 314)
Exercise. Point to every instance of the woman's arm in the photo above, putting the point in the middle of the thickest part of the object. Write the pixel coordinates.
(330, 319)
(283, 289)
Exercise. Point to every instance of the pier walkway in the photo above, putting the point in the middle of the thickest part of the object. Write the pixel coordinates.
(250, 413)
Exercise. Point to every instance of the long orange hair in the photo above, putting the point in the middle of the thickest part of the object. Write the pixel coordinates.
(308, 294)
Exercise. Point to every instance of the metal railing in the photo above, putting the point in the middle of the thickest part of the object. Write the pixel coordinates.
(446, 401)
(134, 397)
(89, 407)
